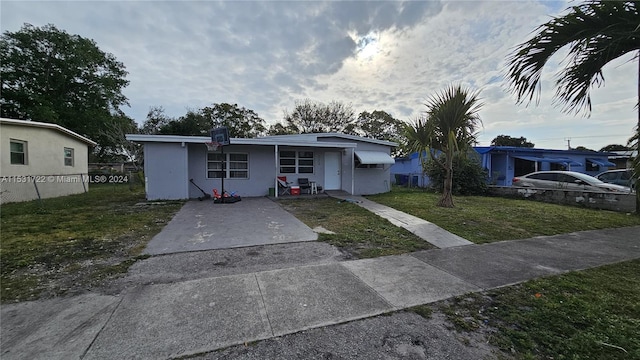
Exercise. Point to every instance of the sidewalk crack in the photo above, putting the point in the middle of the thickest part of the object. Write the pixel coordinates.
(84, 353)
(264, 304)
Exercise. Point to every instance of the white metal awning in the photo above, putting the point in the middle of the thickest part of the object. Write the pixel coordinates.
(374, 157)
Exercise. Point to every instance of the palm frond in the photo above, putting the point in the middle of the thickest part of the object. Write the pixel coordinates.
(596, 33)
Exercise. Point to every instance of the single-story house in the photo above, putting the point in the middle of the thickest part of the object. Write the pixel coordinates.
(250, 166)
(623, 159)
(503, 163)
(41, 160)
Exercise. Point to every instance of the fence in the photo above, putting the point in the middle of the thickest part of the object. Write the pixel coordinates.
(17, 188)
(591, 199)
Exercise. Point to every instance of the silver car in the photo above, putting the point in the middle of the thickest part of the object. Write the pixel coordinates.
(569, 180)
(621, 177)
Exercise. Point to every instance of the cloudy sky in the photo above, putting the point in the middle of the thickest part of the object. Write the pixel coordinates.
(379, 55)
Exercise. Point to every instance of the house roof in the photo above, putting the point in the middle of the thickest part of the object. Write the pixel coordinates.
(316, 136)
(48, 126)
(523, 150)
(283, 140)
(526, 151)
(306, 140)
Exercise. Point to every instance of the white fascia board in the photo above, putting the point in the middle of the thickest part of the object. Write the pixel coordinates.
(236, 141)
(315, 136)
(358, 138)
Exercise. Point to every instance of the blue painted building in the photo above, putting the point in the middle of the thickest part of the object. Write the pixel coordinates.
(503, 163)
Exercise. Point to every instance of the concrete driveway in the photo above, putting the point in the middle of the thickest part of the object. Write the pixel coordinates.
(203, 225)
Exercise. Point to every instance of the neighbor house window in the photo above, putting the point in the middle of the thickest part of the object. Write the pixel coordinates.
(296, 162)
(231, 166)
(68, 157)
(591, 166)
(18, 150)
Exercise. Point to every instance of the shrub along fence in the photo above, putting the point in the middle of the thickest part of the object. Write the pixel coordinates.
(591, 199)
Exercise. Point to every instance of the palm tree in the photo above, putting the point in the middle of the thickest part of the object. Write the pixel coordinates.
(448, 127)
(596, 33)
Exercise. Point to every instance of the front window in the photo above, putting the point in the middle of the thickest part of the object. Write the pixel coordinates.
(296, 162)
(18, 150)
(360, 165)
(231, 166)
(68, 157)
(591, 166)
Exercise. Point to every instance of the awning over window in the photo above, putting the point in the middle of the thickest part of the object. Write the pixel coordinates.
(565, 161)
(530, 158)
(601, 162)
(374, 157)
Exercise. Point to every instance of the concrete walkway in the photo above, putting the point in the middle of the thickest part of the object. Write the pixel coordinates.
(189, 317)
(430, 232)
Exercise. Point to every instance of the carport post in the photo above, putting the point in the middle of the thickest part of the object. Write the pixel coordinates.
(352, 161)
(275, 177)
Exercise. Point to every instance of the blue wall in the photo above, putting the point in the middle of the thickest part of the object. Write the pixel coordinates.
(503, 164)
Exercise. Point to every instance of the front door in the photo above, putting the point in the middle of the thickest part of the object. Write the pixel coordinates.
(332, 176)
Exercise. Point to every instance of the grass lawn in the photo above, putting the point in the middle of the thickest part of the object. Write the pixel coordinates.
(591, 314)
(358, 231)
(482, 219)
(68, 244)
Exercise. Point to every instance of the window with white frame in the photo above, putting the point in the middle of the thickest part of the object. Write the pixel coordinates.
(296, 162)
(18, 150)
(231, 166)
(68, 156)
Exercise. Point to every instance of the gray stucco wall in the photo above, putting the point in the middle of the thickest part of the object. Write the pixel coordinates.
(169, 166)
(261, 171)
(373, 181)
(365, 181)
(165, 169)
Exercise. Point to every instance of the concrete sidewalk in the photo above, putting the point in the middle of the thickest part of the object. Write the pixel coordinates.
(425, 230)
(189, 317)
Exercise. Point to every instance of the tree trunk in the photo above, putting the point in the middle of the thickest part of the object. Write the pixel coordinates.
(447, 198)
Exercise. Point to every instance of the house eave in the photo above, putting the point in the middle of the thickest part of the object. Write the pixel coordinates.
(48, 126)
(265, 141)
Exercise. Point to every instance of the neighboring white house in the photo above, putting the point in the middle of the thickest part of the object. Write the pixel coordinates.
(250, 167)
(41, 160)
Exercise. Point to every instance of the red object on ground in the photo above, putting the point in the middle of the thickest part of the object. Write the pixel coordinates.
(295, 190)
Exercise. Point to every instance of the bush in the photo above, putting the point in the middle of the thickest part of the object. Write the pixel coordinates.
(469, 178)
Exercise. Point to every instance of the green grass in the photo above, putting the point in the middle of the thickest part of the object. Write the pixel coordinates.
(591, 314)
(483, 219)
(70, 243)
(358, 231)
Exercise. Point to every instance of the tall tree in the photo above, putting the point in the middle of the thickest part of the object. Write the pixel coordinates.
(241, 122)
(614, 147)
(449, 127)
(506, 140)
(123, 150)
(316, 117)
(382, 126)
(51, 76)
(156, 120)
(379, 125)
(279, 129)
(596, 33)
